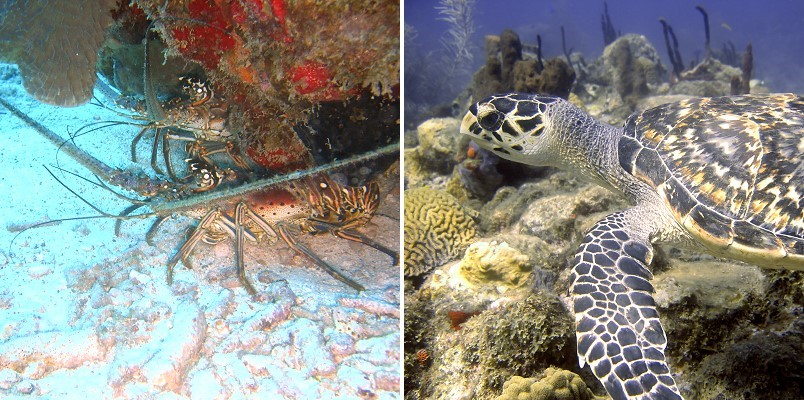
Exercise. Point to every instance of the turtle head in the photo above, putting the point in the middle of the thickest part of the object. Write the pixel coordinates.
(515, 126)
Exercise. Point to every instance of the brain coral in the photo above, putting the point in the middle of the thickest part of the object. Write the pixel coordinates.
(437, 229)
(56, 45)
(557, 384)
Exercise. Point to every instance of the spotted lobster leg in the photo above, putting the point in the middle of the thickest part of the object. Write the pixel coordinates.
(355, 236)
(203, 232)
(236, 228)
(290, 239)
(617, 327)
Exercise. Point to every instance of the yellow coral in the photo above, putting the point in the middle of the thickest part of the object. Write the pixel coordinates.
(437, 229)
(496, 263)
(557, 384)
(56, 45)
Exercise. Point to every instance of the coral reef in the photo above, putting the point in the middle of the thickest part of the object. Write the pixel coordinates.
(556, 384)
(437, 229)
(478, 173)
(298, 38)
(556, 77)
(707, 79)
(278, 59)
(56, 45)
(630, 79)
(628, 70)
(271, 60)
(121, 61)
(733, 330)
(763, 366)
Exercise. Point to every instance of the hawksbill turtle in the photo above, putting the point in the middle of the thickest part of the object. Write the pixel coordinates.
(723, 175)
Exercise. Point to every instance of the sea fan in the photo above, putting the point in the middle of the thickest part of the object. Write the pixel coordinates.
(457, 41)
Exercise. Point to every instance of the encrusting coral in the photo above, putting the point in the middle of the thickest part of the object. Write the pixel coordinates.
(557, 384)
(276, 59)
(56, 45)
(495, 263)
(437, 229)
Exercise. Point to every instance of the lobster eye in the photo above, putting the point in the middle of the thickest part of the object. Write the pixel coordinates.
(491, 121)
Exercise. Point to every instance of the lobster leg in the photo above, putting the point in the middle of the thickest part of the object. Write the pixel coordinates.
(302, 249)
(263, 224)
(240, 216)
(135, 141)
(155, 151)
(199, 233)
(149, 236)
(361, 238)
(166, 157)
(355, 236)
(234, 153)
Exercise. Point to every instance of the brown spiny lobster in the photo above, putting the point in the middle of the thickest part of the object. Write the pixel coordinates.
(312, 205)
(306, 202)
(200, 119)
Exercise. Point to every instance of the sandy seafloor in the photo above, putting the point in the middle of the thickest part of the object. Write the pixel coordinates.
(87, 314)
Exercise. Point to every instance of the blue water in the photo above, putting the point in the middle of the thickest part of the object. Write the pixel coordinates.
(775, 29)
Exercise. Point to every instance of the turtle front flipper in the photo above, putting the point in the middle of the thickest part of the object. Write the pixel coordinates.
(617, 327)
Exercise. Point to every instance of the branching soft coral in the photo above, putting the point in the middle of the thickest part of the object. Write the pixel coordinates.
(56, 45)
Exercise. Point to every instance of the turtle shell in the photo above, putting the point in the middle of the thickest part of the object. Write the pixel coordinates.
(729, 169)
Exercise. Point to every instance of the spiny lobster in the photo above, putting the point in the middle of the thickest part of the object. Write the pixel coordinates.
(306, 202)
(200, 119)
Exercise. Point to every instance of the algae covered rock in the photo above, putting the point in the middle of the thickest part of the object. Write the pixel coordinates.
(437, 229)
(556, 78)
(765, 366)
(518, 338)
(438, 139)
(631, 65)
(492, 263)
(508, 69)
(556, 384)
(707, 79)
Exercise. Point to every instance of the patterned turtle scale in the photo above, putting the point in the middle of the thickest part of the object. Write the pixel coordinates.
(728, 169)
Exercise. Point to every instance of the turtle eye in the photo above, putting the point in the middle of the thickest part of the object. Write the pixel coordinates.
(491, 121)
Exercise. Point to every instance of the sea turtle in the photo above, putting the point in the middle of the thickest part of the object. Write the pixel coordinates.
(723, 175)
